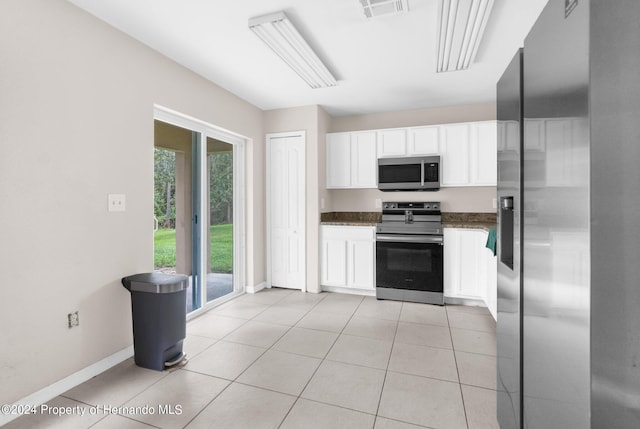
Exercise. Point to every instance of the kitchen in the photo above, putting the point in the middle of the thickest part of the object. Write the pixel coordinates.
(464, 181)
(68, 74)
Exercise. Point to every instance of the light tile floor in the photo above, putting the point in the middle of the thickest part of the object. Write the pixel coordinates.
(284, 359)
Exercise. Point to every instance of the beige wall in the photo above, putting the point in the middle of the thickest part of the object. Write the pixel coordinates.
(77, 124)
(326, 199)
(412, 118)
(472, 199)
(308, 119)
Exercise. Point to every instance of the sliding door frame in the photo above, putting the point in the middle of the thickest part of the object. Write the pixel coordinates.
(239, 142)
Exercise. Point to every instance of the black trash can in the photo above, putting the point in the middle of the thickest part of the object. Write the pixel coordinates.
(159, 310)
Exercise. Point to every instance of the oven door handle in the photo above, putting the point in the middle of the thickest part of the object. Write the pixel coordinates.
(393, 238)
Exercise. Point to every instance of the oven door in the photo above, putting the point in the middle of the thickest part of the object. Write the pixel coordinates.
(410, 262)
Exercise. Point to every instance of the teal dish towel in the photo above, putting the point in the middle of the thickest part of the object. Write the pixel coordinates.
(491, 241)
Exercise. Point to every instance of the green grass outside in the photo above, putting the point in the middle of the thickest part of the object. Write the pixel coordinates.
(221, 248)
(164, 248)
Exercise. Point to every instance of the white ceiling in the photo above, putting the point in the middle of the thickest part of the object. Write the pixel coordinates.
(382, 64)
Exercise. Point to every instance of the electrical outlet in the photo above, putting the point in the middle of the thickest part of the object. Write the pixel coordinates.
(494, 203)
(117, 202)
(378, 203)
(73, 319)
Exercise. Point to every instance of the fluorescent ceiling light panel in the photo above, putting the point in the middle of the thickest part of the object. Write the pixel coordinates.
(374, 8)
(279, 34)
(461, 24)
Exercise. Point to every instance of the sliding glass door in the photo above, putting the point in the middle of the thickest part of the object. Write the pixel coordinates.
(220, 243)
(197, 207)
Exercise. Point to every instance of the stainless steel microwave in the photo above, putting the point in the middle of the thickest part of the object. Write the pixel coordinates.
(420, 173)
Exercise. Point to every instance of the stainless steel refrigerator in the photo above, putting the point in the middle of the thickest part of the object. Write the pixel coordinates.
(569, 300)
(508, 330)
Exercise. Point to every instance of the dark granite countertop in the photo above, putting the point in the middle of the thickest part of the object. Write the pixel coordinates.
(484, 221)
(449, 219)
(350, 218)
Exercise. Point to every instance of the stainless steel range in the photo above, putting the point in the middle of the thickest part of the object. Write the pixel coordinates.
(409, 252)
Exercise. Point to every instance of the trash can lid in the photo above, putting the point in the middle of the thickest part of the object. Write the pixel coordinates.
(156, 282)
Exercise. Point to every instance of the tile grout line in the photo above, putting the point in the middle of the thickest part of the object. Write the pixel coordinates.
(270, 347)
(397, 372)
(321, 361)
(353, 315)
(234, 380)
(386, 371)
(455, 359)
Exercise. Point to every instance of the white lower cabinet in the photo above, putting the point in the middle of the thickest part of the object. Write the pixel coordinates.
(347, 257)
(491, 277)
(469, 267)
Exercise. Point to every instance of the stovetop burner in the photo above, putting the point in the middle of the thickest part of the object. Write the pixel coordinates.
(410, 218)
(390, 207)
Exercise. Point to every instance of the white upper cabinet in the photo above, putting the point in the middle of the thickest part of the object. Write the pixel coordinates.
(455, 149)
(423, 140)
(351, 160)
(468, 153)
(338, 160)
(413, 141)
(484, 155)
(392, 143)
(363, 160)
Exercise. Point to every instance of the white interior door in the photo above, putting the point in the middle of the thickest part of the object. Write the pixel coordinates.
(286, 206)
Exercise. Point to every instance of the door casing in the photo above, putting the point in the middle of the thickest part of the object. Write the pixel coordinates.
(271, 140)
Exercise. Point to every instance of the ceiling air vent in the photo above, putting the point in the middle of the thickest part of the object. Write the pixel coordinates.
(375, 8)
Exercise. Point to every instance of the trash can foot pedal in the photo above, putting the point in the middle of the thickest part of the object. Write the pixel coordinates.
(176, 360)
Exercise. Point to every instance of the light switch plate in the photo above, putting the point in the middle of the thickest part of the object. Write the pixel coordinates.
(117, 202)
(378, 203)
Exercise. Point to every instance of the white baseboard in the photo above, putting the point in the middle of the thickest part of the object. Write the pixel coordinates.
(75, 379)
(464, 301)
(256, 288)
(351, 291)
